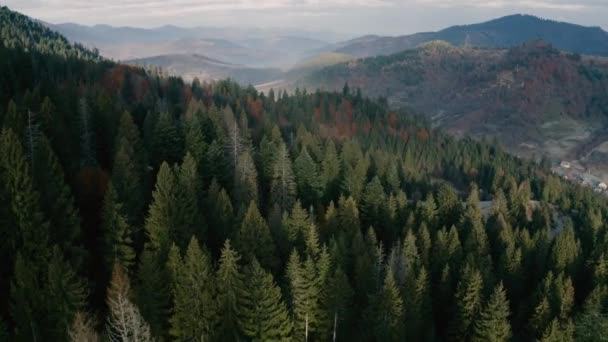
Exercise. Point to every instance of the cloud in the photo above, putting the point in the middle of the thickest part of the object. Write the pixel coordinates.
(560, 5)
(361, 16)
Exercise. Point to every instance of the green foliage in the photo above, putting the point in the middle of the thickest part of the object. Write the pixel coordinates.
(230, 285)
(263, 315)
(493, 322)
(117, 233)
(370, 262)
(254, 240)
(283, 186)
(193, 288)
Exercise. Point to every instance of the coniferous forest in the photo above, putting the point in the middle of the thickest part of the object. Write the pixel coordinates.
(137, 207)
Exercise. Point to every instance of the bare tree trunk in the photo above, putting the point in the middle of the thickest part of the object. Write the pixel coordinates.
(34, 338)
(335, 324)
(306, 333)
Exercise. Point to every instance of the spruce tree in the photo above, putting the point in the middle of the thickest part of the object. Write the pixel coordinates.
(220, 216)
(330, 170)
(57, 202)
(167, 141)
(153, 291)
(117, 233)
(307, 177)
(468, 301)
(283, 185)
(254, 240)
(305, 291)
(192, 285)
(493, 322)
(339, 301)
(263, 315)
(230, 284)
(159, 221)
(387, 311)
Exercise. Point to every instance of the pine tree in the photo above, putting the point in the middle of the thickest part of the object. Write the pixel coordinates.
(254, 240)
(330, 170)
(188, 218)
(263, 315)
(387, 312)
(220, 216)
(229, 286)
(162, 212)
(296, 225)
(493, 322)
(283, 186)
(24, 226)
(195, 143)
(153, 292)
(339, 300)
(468, 304)
(476, 239)
(192, 285)
(66, 294)
(57, 202)
(305, 291)
(87, 138)
(117, 233)
(558, 332)
(307, 177)
(127, 179)
(373, 207)
(167, 141)
(125, 323)
(245, 182)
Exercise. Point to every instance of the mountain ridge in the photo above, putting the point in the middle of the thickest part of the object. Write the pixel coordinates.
(507, 31)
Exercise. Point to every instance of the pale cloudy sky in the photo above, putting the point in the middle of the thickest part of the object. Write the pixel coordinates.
(348, 16)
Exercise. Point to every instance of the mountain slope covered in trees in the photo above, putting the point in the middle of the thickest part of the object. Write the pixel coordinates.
(535, 99)
(140, 208)
(503, 32)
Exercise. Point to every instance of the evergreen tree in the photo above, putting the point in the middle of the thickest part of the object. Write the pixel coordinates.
(117, 233)
(387, 312)
(468, 298)
(339, 300)
(57, 202)
(263, 315)
(307, 177)
(153, 292)
(493, 322)
(246, 182)
(305, 290)
(230, 284)
(162, 212)
(192, 285)
(283, 186)
(254, 240)
(330, 170)
(188, 218)
(220, 216)
(128, 182)
(167, 141)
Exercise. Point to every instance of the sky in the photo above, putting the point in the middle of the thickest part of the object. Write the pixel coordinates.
(388, 17)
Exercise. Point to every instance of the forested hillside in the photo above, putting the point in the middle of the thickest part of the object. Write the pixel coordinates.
(140, 208)
(535, 99)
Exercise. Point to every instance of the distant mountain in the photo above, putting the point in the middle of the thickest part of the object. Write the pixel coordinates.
(534, 98)
(504, 32)
(254, 47)
(191, 66)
